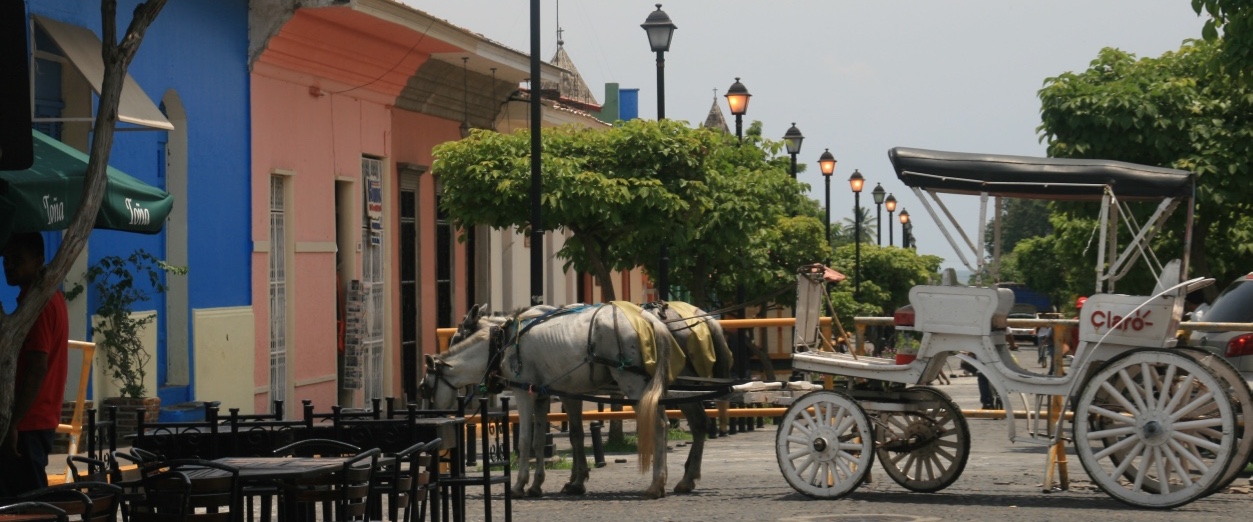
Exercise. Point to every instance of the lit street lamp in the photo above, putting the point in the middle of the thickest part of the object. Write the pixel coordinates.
(793, 138)
(877, 194)
(660, 31)
(890, 204)
(826, 163)
(737, 98)
(905, 226)
(856, 182)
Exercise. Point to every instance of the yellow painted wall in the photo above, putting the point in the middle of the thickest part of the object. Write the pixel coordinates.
(224, 356)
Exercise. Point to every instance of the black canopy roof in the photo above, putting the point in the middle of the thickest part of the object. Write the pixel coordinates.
(1039, 178)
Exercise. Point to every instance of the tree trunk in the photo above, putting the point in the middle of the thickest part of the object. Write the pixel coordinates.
(117, 58)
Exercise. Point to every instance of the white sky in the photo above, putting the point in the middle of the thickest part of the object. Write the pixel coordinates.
(856, 77)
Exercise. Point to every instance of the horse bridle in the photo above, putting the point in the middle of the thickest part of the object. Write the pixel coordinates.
(490, 383)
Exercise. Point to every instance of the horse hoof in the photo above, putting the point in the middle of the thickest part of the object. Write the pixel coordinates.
(651, 494)
(517, 492)
(571, 489)
(684, 487)
(534, 492)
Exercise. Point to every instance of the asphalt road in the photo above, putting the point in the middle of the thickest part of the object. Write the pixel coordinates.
(742, 481)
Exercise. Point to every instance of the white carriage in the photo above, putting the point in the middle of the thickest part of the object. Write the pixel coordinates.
(1154, 425)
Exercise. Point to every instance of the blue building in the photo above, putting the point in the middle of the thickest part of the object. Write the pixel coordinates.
(184, 127)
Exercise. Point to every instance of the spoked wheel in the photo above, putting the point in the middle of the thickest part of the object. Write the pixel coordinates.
(1242, 402)
(825, 445)
(924, 450)
(1155, 428)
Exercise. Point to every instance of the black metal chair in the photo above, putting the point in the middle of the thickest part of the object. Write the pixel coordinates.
(406, 481)
(342, 495)
(93, 470)
(102, 499)
(453, 484)
(34, 508)
(187, 490)
(125, 472)
(71, 502)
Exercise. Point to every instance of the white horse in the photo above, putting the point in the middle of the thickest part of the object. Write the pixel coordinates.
(576, 351)
(695, 333)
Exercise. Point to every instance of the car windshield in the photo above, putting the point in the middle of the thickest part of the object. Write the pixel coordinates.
(1234, 305)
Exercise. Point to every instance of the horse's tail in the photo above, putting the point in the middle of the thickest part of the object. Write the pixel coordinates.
(646, 421)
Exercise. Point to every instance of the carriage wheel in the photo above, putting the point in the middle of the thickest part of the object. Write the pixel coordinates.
(824, 445)
(1242, 402)
(1154, 428)
(924, 450)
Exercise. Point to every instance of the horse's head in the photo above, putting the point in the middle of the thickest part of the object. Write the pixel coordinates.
(468, 362)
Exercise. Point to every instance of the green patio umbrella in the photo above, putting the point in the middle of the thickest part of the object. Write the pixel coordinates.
(45, 196)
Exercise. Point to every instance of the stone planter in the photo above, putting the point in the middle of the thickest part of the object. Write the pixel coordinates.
(128, 417)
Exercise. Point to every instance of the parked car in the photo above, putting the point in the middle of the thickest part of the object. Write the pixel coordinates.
(1022, 334)
(1234, 305)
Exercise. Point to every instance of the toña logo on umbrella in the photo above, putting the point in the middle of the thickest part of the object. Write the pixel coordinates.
(45, 196)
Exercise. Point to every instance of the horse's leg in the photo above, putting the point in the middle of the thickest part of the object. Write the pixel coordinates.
(526, 409)
(539, 431)
(578, 457)
(698, 422)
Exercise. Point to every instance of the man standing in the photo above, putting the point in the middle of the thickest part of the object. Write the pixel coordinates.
(41, 370)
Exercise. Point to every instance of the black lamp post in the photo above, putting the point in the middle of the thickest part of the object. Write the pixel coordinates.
(856, 181)
(737, 98)
(660, 30)
(826, 163)
(793, 138)
(890, 204)
(904, 228)
(877, 194)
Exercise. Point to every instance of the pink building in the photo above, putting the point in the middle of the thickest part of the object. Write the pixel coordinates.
(348, 99)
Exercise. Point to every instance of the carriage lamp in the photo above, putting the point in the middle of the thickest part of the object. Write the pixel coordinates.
(826, 163)
(660, 31)
(877, 194)
(890, 204)
(793, 138)
(737, 98)
(856, 181)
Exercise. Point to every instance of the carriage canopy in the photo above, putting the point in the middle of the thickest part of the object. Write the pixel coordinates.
(1037, 178)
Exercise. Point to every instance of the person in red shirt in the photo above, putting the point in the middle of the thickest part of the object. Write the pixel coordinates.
(41, 370)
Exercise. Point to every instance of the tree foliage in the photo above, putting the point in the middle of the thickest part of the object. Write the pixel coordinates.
(1231, 23)
(729, 214)
(1177, 110)
(1020, 219)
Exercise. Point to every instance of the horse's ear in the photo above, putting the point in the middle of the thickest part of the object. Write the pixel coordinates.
(472, 316)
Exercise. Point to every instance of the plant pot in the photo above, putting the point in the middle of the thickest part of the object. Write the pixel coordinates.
(127, 414)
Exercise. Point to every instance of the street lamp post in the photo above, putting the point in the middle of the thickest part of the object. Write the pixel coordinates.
(737, 98)
(826, 163)
(877, 194)
(660, 31)
(793, 138)
(904, 228)
(890, 204)
(856, 181)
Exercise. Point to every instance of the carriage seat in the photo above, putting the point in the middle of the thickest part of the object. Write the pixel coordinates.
(961, 310)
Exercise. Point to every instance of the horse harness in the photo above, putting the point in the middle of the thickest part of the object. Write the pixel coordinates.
(592, 358)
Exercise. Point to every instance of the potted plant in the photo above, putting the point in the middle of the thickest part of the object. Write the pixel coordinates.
(119, 284)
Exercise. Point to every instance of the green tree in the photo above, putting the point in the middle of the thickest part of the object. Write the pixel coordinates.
(1231, 22)
(1020, 219)
(117, 54)
(727, 213)
(887, 274)
(1177, 110)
